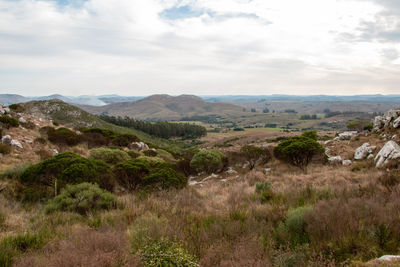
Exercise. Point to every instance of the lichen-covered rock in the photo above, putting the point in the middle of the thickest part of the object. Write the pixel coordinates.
(390, 151)
(6, 139)
(363, 151)
(16, 143)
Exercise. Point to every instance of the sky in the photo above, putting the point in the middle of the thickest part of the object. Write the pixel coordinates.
(202, 47)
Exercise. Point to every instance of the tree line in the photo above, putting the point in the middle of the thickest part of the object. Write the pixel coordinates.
(161, 129)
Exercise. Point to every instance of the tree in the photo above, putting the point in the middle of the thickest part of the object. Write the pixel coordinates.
(265, 110)
(311, 134)
(254, 154)
(298, 151)
(358, 125)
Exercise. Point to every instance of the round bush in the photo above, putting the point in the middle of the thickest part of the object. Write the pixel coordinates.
(82, 198)
(129, 174)
(207, 160)
(110, 156)
(67, 168)
(164, 178)
(150, 153)
(8, 121)
(62, 136)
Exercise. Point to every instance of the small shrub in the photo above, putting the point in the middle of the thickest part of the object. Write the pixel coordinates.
(150, 153)
(9, 122)
(5, 149)
(164, 178)
(110, 156)
(207, 160)
(44, 154)
(82, 198)
(62, 136)
(28, 125)
(56, 123)
(166, 253)
(264, 191)
(124, 139)
(40, 140)
(255, 154)
(129, 174)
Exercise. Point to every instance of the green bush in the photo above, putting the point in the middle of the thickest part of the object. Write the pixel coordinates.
(254, 154)
(166, 253)
(293, 229)
(60, 170)
(124, 139)
(62, 136)
(82, 198)
(164, 178)
(134, 154)
(311, 134)
(129, 174)
(110, 156)
(298, 150)
(358, 125)
(207, 160)
(5, 149)
(9, 122)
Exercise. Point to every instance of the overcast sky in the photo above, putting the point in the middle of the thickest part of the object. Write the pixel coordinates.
(204, 47)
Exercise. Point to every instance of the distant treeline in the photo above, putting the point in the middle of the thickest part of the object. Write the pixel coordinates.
(160, 129)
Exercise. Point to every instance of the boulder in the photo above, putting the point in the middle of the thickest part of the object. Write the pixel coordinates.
(335, 160)
(390, 151)
(16, 144)
(139, 146)
(396, 123)
(6, 139)
(22, 120)
(378, 123)
(55, 152)
(346, 135)
(230, 170)
(363, 151)
(346, 162)
(371, 156)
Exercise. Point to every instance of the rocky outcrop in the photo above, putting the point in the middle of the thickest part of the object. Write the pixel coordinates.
(390, 151)
(363, 151)
(4, 110)
(346, 135)
(381, 122)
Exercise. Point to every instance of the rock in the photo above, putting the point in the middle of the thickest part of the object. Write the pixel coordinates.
(22, 120)
(363, 151)
(396, 123)
(55, 152)
(370, 156)
(378, 123)
(16, 144)
(335, 160)
(231, 171)
(327, 142)
(346, 135)
(212, 176)
(139, 146)
(389, 258)
(28, 141)
(7, 110)
(327, 151)
(267, 170)
(390, 151)
(6, 139)
(346, 162)
(394, 137)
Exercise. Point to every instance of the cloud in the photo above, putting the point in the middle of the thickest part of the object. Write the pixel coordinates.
(140, 47)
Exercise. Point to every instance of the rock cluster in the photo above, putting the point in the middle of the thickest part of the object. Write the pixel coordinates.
(364, 151)
(391, 118)
(139, 146)
(9, 141)
(4, 110)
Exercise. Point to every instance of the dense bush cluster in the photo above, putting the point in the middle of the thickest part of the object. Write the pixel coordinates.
(61, 136)
(148, 173)
(82, 198)
(360, 125)
(254, 154)
(42, 179)
(160, 129)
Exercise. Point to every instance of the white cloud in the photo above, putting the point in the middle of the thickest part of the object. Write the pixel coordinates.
(225, 47)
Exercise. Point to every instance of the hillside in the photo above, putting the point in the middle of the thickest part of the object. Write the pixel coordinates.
(164, 107)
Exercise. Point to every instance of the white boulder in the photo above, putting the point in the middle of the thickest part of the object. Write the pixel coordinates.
(55, 151)
(22, 120)
(390, 151)
(335, 160)
(346, 135)
(396, 123)
(16, 143)
(363, 151)
(346, 162)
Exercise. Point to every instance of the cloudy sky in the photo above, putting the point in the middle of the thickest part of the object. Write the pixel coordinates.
(141, 47)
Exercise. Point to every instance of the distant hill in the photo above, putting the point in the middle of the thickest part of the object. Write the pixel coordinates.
(165, 107)
(8, 99)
